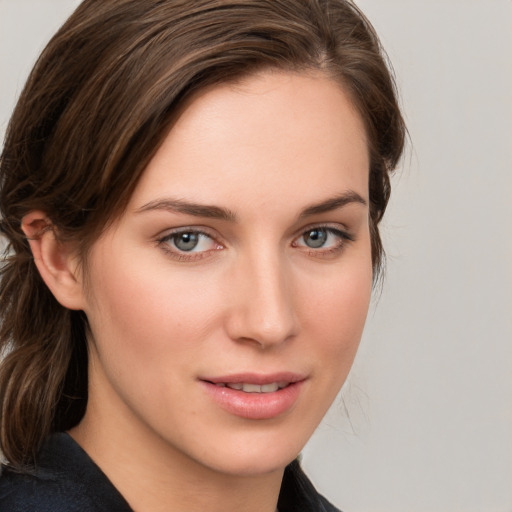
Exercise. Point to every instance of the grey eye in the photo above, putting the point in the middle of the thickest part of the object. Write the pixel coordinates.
(186, 241)
(315, 238)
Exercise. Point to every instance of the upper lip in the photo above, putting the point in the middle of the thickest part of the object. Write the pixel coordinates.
(255, 378)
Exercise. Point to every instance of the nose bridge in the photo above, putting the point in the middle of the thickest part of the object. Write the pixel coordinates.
(263, 309)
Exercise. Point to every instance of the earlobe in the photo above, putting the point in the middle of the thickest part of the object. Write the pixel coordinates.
(56, 261)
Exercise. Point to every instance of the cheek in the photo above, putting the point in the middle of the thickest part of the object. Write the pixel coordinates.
(337, 314)
(145, 313)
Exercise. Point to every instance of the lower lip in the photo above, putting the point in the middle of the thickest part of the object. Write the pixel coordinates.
(255, 406)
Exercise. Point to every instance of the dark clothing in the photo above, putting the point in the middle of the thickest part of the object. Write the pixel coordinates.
(67, 480)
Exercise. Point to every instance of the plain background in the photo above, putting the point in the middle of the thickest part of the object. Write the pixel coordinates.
(424, 423)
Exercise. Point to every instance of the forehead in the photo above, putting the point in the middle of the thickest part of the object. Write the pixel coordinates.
(270, 132)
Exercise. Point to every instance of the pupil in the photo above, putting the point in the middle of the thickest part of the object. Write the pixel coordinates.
(186, 241)
(316, 238)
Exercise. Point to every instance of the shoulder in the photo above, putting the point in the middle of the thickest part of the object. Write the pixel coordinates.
(40, 492)
(299, 494)
(326, 505)
(65, 479)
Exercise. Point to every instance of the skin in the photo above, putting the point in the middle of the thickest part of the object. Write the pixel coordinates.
(253, 296)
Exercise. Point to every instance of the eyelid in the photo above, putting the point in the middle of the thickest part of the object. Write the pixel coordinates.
(186, 229)
(330, 226)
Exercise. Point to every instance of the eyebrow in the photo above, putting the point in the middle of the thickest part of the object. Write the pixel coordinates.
(190, 208)
(333, 203)
(220, 213)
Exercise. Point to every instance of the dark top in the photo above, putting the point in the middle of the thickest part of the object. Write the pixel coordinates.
(67, 480)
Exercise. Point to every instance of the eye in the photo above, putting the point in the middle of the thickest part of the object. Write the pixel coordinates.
(323, 239)
(188, 243)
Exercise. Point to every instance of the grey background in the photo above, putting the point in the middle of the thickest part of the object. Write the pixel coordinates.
(424, 423)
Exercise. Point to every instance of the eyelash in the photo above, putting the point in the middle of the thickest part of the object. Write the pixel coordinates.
(189, 256)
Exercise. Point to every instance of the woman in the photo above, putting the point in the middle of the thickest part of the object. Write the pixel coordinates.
(191, 192)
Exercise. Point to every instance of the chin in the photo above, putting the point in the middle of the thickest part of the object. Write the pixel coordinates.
(263, 464)
(256, 454)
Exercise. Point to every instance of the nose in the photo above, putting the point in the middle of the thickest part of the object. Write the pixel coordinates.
(261, 304)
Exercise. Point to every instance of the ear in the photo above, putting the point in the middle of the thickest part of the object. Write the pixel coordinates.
(56, 261)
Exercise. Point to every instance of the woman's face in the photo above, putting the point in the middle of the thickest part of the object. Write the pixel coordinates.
(227, 303)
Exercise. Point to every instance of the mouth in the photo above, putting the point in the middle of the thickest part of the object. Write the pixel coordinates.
(255, 396)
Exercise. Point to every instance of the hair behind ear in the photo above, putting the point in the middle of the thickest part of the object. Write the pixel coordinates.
(41, 388)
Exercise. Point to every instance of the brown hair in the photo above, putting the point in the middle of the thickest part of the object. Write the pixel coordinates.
(95, 109)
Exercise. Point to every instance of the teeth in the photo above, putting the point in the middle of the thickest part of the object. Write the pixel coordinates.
(256, 388)
(269, 388)
(251, 388)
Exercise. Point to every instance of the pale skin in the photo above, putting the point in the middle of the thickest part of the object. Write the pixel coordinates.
(271, 175)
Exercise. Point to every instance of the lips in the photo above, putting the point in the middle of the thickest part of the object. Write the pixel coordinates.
(254, 396)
